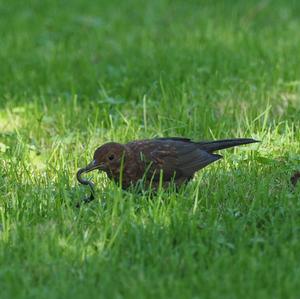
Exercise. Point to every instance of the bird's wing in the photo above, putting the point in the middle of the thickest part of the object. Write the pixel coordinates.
(176, 159)
(174, 139)
(191, 159)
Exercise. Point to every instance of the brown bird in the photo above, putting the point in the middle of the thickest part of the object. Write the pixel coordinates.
(168, 160)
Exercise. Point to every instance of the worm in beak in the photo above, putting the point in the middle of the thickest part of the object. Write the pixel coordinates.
(92, 166)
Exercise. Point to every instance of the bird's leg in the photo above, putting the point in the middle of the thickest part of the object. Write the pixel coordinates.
(86, 182)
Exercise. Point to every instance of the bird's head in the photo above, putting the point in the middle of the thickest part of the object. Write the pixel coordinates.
(106, 157)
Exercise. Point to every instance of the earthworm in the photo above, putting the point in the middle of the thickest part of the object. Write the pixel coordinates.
(86, 182)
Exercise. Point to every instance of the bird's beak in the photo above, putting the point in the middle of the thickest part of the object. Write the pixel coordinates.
(94, 165)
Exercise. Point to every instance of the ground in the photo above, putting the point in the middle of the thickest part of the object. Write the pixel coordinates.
(77, 74)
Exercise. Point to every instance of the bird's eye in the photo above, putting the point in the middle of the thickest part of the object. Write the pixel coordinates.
(111, 157)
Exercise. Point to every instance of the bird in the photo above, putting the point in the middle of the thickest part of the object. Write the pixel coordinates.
(156, 162)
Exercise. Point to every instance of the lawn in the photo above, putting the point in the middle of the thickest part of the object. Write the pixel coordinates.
(77, 74)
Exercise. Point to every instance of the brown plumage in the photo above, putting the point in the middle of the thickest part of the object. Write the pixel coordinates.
(167, 159)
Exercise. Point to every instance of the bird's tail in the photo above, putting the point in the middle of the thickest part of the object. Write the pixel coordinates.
(211, 146)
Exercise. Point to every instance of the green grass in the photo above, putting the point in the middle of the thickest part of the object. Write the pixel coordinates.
(77, 74)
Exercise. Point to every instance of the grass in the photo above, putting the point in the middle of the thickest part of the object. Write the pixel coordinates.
(77, 74)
